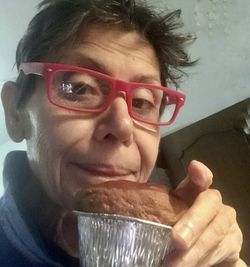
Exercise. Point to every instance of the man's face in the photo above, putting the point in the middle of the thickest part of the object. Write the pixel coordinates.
(68, 150)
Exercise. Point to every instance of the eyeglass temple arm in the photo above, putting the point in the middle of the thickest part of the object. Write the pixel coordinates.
(32, 68)
(172, 100)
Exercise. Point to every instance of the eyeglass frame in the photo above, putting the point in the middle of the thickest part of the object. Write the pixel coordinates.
(47, 70)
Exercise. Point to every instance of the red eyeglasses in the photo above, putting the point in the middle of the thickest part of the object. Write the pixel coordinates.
(85, 90)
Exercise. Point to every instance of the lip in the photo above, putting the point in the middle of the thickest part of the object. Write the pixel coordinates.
(105, 170)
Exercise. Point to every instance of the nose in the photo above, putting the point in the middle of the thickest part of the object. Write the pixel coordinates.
(115, 124)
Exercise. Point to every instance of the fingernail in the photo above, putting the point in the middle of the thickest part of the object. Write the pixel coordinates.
(185, 233)
(182, 184)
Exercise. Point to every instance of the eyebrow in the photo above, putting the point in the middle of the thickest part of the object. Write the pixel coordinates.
(143, 78)
(85, 61)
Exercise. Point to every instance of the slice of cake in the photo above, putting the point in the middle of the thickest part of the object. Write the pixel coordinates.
(148, 201)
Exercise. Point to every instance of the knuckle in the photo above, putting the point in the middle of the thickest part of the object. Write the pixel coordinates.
(239, 235)
(216, 195)
(213, 196)
(231, 213)
(225, 223)
(219, 229)
(240, 238)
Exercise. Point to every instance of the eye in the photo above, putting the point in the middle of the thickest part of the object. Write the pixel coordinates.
(143, 104)
(143, 100)
(79, 88)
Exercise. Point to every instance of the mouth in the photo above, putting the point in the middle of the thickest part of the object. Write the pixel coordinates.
(106, 171)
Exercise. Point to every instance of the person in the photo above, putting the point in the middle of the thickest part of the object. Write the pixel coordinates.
(89, 100)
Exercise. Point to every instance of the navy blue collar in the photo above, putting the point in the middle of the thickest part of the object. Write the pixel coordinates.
(17, 221)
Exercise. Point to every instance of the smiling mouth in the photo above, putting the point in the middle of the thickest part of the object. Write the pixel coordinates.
(106, 171)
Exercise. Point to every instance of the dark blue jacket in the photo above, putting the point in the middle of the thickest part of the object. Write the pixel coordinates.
(21, 242)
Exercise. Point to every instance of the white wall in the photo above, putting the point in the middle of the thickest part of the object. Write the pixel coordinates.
(222, 76)
(14, 18)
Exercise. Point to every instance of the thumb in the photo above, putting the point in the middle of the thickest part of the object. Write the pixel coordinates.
(198, 179)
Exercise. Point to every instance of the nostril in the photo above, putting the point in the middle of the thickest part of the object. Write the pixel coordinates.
(115, 124)
(109, 137)
(115, 128)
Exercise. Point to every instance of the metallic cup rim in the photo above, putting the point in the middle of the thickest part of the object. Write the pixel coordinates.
(121, 217)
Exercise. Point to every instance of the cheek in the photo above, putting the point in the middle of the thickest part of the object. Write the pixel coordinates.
(44, 156)
(51, 139)
(148, 146)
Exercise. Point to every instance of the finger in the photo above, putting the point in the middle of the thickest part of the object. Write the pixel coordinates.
(212, 246)
(66, 235)
(188, 229)
(231, 245)
(238, 263)
(227, 253)
(199, 178)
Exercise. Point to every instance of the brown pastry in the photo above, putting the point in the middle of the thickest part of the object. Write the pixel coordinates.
(146, 201)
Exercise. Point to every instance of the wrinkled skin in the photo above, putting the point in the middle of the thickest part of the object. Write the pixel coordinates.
(208, 234)
(66, 151)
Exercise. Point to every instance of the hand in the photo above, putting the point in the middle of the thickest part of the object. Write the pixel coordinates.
(208, 234)
(66, 234)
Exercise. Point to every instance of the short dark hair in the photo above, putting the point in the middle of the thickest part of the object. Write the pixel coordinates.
(61, 22)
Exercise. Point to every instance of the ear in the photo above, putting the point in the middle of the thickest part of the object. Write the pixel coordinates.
(13, 117)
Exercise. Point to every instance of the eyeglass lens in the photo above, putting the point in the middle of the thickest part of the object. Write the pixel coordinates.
(81, 90)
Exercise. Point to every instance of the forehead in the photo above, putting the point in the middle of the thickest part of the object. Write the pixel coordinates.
(110, 46)
(116, 38)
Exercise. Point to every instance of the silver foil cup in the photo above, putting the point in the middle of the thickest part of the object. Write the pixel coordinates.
(107, 240)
